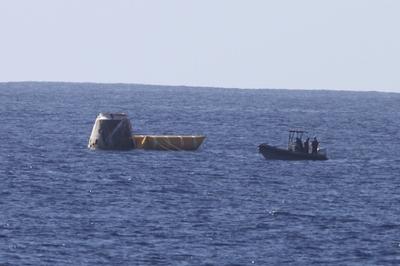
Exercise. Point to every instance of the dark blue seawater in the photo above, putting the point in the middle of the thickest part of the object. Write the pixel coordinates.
(62, 204)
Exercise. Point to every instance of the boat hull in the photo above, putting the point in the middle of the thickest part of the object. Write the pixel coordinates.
(273, 153)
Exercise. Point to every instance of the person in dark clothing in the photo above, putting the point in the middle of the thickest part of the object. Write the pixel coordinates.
(314, 145)
(299, 145)
(307, 145)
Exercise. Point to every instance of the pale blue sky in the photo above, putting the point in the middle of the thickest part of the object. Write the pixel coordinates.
(307, 44)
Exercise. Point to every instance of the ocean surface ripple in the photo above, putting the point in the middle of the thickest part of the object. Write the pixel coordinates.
(62, 204)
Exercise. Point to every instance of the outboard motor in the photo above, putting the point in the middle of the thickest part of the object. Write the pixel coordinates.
(111, 131)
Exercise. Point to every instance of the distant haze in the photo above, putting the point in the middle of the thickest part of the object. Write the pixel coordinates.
(307, 44)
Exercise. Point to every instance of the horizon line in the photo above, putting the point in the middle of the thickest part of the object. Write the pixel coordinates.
(196, 86)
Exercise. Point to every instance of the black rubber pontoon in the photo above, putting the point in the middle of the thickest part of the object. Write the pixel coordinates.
(273, 153)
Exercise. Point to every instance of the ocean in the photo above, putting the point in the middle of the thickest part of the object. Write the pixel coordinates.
(224, 204)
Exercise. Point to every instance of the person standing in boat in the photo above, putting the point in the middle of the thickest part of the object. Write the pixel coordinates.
(307, 145)
(299, 145)
(314, 145)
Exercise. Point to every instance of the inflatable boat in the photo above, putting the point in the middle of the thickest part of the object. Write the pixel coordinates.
(297, 150)
(274, 153)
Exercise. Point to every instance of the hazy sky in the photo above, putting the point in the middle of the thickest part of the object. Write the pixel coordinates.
(298, 44)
